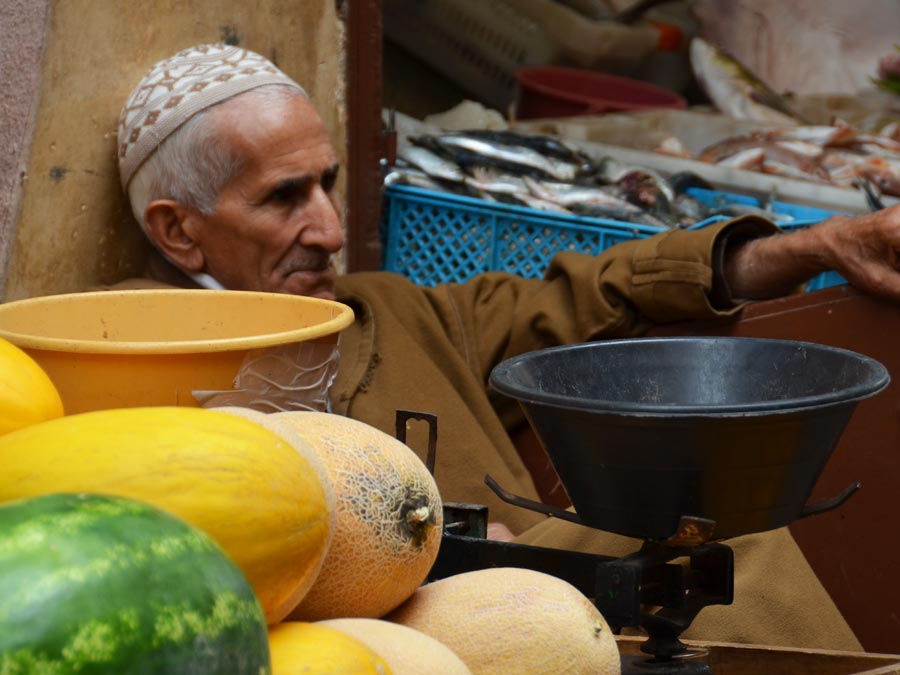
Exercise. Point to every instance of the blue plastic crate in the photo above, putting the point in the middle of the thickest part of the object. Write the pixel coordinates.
(437, 237)
(786, 214)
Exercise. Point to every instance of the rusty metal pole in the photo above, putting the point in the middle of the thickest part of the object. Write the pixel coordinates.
(365, 137)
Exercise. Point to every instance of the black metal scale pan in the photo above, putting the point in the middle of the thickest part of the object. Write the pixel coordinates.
(680, 442)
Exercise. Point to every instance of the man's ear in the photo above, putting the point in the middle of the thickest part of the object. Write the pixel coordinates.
(169, 226)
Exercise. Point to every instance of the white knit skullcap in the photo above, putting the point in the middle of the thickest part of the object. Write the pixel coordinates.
(181, 86)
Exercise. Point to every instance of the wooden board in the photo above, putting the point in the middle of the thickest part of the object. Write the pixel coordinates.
(734, 659)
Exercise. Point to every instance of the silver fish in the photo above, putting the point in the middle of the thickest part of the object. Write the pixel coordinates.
(541, 204)
(621, 216)
(470, 151)
(546, 145)
(573, 196)
(735, 210)
(734, 90)
(495, 182)
(413, 177)
(431, 163)
(613, 172)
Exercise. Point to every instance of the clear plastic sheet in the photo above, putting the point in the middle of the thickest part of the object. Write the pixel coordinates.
(283, 378)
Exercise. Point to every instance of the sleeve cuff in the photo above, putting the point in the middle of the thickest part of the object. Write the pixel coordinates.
(731, 237)
(679, 274)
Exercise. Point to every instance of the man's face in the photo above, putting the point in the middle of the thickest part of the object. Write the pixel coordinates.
(277, 224)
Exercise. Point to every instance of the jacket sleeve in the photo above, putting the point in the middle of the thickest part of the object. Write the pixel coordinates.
(672, 276)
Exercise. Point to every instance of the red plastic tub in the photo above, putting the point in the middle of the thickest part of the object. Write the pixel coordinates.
(555, 91)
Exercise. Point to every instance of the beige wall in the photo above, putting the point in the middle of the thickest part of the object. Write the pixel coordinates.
(73, 228)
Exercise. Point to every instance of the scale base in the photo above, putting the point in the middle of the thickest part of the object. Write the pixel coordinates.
(641, 664)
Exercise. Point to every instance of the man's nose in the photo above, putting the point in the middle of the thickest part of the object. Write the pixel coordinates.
(324, 228)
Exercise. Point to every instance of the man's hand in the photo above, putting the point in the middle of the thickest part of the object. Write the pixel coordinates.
(864, 249)
(499, 532)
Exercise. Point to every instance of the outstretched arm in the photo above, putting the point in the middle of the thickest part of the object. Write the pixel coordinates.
(864, 249)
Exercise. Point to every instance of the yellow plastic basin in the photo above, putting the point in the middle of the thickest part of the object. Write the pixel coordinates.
(115, 349)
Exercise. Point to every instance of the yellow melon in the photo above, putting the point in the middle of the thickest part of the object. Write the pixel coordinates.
(507, 620)
(388, 518)
(244, 485)
(406, 650)
(288, 433)
(27, 395)
(299, 648)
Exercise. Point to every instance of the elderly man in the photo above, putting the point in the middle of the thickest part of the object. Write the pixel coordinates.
(231, 174)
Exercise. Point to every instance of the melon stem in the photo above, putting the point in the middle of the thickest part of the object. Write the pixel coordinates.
(419, 515)
(418, 518)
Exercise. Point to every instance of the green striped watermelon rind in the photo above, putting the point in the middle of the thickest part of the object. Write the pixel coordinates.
(98, 584)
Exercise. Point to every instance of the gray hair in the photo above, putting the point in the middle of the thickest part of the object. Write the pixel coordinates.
(194, 163)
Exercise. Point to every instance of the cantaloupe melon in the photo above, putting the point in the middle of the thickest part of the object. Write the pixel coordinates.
(299, 648)
(507, 620)
(388, 519)
(27, 395)
(407, 651)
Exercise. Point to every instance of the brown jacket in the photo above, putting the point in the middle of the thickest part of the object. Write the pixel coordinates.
(432, 350)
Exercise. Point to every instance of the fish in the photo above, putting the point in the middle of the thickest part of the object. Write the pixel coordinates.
(477, 164)
(646, 188)
(570, 193)
(607, 213)
(748, 159)
(689, 210)
(737, 210)
(533, 202)
(871, 193)
(782, 166)
(470, 151)
(841, 166)
(412, 177)
(684, 180)
(877, 145)
(431, 163)
(839, 133)
(804, 148)
(494, 182)
(890, 130)
(781, 157)
(546, 145)
(734, 90)
(674, 147)
(883, 172)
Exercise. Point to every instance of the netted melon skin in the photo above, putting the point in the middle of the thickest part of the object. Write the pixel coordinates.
(387, 523)
(507, 620)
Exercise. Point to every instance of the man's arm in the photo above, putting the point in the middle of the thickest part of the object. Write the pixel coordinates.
(864, 249)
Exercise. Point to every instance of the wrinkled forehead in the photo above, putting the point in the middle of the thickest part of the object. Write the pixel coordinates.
(275, 135)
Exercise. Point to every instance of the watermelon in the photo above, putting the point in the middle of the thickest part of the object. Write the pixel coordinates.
(97, 584)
